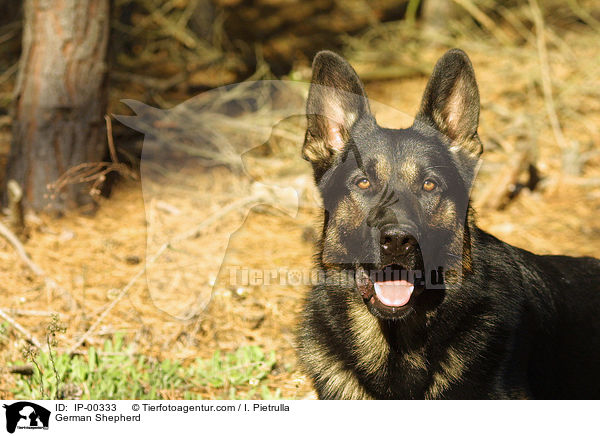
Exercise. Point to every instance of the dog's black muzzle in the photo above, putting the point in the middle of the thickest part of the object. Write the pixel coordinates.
(399, 245)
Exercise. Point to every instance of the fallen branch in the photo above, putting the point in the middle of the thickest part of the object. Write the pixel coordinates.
(23, 312)
(34, 267)
(20, 369)
(89, 172)
(504, 186)
(14, 241)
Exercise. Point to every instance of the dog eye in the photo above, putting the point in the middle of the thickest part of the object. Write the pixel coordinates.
(363, 183)
(429, 185)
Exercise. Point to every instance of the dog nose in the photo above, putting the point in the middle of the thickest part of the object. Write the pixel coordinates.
(395, 241)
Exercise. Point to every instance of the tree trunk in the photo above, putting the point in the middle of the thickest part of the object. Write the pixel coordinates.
(60, 98)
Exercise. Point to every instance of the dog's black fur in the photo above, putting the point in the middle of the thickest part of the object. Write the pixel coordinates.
(505, 323)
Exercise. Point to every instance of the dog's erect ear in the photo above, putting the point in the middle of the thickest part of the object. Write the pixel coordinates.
(451, 102)
(336, 99)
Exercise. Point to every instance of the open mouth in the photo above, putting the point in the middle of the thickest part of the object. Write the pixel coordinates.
(390, 292)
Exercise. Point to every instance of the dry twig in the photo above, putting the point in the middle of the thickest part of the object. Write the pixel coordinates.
(23, 312)
(14, 241)
(111, 143)
(504, 185)
(94, 173)
(50, 283)
(28, 336)
(546, 77)
(485, 21)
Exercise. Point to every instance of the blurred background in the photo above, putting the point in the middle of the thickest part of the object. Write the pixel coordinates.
(85, 288)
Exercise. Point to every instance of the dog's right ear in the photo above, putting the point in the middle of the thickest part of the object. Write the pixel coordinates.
(336, 99)
(451, 102)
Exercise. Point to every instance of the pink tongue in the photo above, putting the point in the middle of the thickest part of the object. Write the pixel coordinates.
(394, 293)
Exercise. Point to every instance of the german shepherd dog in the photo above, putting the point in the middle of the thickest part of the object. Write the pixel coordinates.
(415, 301)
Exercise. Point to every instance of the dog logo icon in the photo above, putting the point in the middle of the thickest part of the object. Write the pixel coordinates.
(26, 415)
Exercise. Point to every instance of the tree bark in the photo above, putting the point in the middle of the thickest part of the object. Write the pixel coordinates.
(60, 98)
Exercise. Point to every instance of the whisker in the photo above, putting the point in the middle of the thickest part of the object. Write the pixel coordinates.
(436, 166)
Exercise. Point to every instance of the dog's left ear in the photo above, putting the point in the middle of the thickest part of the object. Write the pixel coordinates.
(451, 102)
(336, 99)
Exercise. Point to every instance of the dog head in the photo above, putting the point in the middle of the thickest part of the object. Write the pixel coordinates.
(395, 200)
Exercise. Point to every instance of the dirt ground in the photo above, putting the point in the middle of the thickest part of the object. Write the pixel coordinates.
(92, 258)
